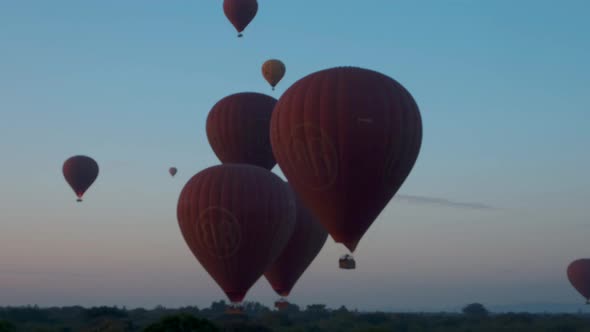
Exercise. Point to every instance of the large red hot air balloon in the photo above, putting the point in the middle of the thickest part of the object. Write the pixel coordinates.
(309, 237)
(172, 171)
(578, 272)
(240, 13)
(80, 172)
(238, 129)
(346, 138)
(236, 219)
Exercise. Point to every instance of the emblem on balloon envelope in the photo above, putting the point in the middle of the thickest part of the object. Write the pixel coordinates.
(311, 149)
(219, 232)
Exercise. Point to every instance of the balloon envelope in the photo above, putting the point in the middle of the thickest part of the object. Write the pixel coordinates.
(273, 71)
(236, 220)
(240, 13)
(578, 273)
(307, 240)
(80, 173)
(172, 171)
(346, 138)
(238, 129)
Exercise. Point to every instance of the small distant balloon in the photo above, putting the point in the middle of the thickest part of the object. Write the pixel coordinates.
(240, 13)
(273, 71)
(172, 171)
(578, 273)
(80, 173)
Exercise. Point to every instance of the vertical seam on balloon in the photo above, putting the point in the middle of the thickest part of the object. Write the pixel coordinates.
(234, 265)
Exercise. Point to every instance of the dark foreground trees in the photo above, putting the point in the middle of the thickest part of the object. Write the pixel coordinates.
(475, 310)
(314, 318)
(6, 326)
(182, 323)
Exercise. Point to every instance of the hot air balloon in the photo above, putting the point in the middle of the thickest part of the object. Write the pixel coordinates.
(578, 273)
(238, 129)
(240, 13)
(80, 172)
(236, 220)
(172, 171)
(346, 138)
(307, 240)
(273, 71)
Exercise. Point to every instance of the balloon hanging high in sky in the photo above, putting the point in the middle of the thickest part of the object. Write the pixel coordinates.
(172, 171)
(273, 71)
(346, 138)
(240, 13)
(236, 220)
(238, 129)
(80, 173)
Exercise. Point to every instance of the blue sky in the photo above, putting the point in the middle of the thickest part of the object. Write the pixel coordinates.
(503, 90)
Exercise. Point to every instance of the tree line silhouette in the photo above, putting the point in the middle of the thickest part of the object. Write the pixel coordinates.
(257, 317)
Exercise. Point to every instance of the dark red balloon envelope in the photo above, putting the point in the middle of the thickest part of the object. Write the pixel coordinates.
(240, 13)
(308, 239)
(346, 139)
(578, 273)
(236, 220)
(238, 129)
(80, 173)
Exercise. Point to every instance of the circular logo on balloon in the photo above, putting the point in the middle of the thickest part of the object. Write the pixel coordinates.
(219, 232)
(313, 156)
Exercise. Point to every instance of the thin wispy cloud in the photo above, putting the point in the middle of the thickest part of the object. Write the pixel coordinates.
(445, 202)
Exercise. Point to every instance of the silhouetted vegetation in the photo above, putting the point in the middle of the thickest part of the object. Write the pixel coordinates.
(112, 312)
(182, 323)
(476, 310)
(6, 326)
(257, 317)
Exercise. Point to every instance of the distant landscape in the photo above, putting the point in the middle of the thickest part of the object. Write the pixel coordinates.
(257, 317)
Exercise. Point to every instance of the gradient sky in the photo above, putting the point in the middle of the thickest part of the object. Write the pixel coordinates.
(494, 210)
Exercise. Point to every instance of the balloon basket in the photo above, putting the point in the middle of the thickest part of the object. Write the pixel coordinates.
(79, 200)
(235, 308)
(347, 262)
(281, 304)
(240, 35)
